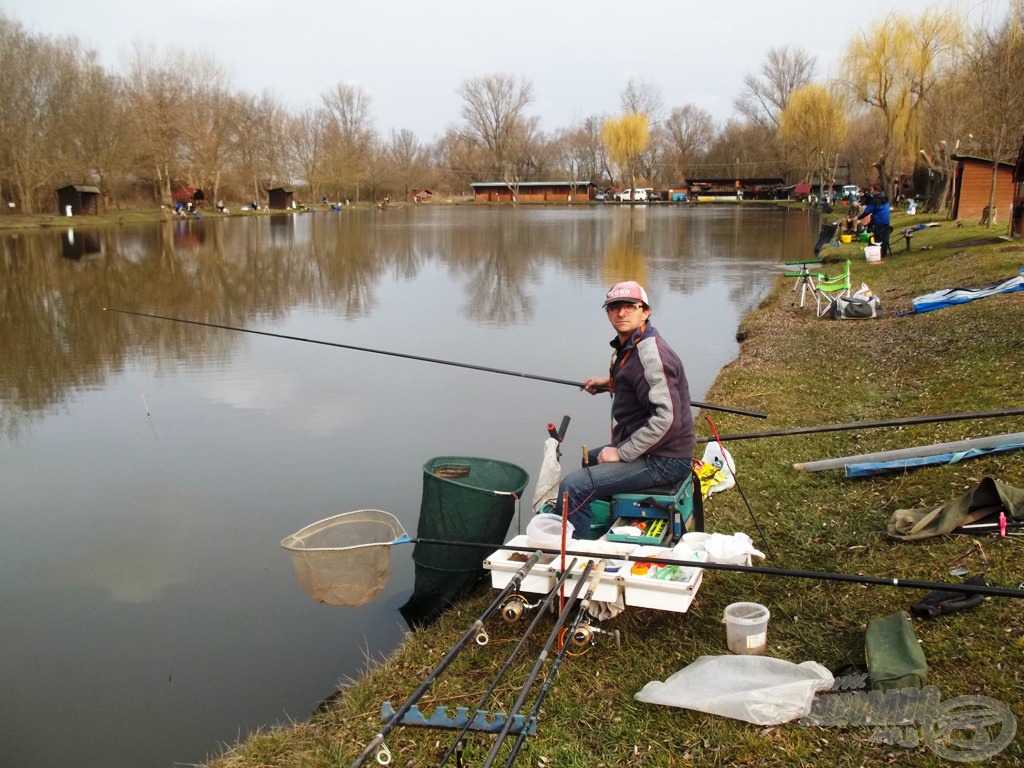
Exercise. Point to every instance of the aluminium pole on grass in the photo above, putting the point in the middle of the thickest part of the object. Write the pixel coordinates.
(473, 632)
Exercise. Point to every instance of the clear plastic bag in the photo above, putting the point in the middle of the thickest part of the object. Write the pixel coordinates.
(756, 689)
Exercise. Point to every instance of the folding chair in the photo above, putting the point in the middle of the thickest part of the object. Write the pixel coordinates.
(831, 288)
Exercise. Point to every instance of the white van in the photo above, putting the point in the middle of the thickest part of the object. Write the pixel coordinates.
(639, 195)
(850, 192)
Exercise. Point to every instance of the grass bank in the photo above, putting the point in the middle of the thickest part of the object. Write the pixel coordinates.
(802, 371)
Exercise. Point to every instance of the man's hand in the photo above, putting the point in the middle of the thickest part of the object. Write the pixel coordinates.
(608, 454)
(596, 384)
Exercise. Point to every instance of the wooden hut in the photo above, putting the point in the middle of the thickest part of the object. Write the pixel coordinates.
(532, 191)
(78, 199)
(280, 198)
(973, 180)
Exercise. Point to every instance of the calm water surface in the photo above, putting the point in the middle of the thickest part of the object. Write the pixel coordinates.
(149, 469)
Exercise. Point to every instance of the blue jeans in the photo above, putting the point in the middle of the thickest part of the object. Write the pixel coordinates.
(602, 481)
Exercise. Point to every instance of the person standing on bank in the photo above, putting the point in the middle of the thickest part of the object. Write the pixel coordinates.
(652, 425)
(879, 210)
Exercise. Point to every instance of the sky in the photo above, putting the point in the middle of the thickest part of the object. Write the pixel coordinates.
(411, 57)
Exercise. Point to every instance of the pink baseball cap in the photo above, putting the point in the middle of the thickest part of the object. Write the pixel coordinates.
(627, 291)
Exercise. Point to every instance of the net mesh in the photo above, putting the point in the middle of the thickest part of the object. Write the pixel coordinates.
(345, 559)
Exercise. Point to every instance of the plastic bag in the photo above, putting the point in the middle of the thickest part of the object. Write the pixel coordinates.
(722, 460)
(735, 549)
(756, 689)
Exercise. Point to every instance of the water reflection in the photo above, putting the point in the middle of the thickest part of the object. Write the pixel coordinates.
(151, 468)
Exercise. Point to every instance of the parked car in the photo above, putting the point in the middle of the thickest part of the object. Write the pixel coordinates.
(636, 195)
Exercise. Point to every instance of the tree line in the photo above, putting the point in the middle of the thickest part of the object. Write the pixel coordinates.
(911, 92)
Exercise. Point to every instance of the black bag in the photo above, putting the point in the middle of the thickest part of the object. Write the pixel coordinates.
(855, 308)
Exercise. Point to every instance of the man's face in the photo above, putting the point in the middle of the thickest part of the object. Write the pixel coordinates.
(626, 317)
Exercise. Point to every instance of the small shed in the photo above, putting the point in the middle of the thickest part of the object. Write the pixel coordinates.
(973, 180)
(280, 198)
(78, 199)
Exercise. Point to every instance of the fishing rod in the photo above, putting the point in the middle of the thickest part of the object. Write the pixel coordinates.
(546, 685)
(764, 539)
(868, 424)
(473, 632)
(542, 608)
(484, 368)
(757, 569)
(541, 658)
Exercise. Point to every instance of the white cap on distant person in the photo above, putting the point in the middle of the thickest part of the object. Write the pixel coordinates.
(627, 291)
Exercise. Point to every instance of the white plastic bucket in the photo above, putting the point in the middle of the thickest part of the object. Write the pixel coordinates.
(746, 628)
(696, 539)
(873, 253)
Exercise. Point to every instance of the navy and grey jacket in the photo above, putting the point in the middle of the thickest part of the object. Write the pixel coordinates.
(651, 399)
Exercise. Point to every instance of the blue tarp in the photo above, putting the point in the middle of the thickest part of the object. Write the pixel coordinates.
(869, 468)
(950, 296)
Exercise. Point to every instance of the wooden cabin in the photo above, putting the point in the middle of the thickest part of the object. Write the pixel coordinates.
(78, 199)
(533, 191)
(280, 198)
(973, 184)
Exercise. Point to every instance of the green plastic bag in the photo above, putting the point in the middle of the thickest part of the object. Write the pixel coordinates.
(895, 659)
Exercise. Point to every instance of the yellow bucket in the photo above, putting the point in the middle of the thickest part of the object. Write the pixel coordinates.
(846, 238)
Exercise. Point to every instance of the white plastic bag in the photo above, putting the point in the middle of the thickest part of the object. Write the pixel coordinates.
(734, 550)
(721, 458)
(757, 689)
(549, 477)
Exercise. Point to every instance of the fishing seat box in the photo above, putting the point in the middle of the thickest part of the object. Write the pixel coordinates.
(504, 563)
(649, 504)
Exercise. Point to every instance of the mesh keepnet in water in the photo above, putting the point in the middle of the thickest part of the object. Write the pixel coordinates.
(465, 499)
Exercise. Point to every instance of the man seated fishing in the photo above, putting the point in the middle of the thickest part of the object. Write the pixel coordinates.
(652, 425)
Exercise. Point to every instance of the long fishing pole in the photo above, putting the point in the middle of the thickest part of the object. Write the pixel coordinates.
(473, 631)
(484, 368)
(764, 539)
(869, 424)
(541, 658)
(757, 569)
(507, 664)
(546, 685)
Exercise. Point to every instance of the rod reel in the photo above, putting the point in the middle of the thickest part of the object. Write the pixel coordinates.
(584, 637)
(515, 608)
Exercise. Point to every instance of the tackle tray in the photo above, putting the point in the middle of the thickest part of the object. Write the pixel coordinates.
(504, 564)
(653, 529)
(666, 594)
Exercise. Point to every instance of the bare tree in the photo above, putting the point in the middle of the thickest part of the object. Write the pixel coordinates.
(350, 135)
(765, 97)
(494, 120)
(687, 133)
(307, 143)
(407, 161)
(996, 67)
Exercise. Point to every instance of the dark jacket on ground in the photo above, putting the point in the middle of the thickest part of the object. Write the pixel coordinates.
(651, 399)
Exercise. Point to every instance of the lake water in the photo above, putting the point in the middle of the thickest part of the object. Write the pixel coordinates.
(149, 469)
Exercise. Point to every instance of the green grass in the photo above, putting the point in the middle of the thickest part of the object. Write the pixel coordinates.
(802, 371)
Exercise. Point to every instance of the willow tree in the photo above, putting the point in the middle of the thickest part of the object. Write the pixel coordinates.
(892, 68)
(813, 127)
(625, 138)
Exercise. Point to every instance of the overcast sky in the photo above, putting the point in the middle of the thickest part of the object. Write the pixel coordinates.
(411, 56)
